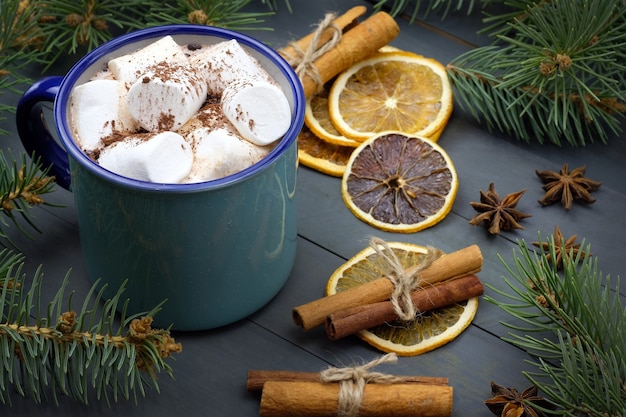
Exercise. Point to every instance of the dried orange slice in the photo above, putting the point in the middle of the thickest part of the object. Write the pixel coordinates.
(317, 119)
(322, 156)
(428, 331)
(399, 91)
(389, 48)
(399, 183)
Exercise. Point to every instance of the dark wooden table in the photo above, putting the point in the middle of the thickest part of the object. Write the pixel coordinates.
(210, 373)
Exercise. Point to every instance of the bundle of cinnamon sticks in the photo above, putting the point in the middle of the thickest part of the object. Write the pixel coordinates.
(303, 394)
(447, 280)
(358, 41)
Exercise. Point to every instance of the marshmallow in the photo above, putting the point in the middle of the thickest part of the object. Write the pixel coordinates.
(128, 68)
(220, 153)
(98, 108)
(162, 158)
(259, 110)
(166, 96)
(227, 62)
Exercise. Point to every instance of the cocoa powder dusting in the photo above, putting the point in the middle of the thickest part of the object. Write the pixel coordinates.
(239, 112)
(112, 138)
(211, 114)
(93, 155)
(213, 99)
(166, 121)
(167, 71)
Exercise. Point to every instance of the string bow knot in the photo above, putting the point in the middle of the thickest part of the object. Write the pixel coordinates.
(352, 381)
(404, 281)
(304, 60)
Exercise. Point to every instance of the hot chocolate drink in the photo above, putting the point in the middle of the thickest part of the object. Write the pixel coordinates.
(170, 113)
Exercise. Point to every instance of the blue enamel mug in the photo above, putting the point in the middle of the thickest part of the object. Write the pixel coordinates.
(215, 251)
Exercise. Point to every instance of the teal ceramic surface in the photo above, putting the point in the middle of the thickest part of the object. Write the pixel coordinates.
(216, 251)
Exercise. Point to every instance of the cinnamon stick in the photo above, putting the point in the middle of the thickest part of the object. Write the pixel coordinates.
(258, 378)
(456, 264)
(308, 399)
(356, 44)
(344, 22)
(352, 320)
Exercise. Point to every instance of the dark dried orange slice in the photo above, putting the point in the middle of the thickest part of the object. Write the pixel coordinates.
(399, 183)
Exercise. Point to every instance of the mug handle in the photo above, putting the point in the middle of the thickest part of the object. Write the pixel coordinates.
(34, 132)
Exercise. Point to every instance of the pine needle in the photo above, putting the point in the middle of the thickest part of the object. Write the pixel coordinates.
(22, 187)
(573, 325)
(556, 74)
(222, 13)
(74, 353)
(422, 9)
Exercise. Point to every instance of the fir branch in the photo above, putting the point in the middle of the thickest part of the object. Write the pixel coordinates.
(499, 23)
(21, 188)
(72, 26)
(423, 9)
(580, 323)
(20, 32)
(273, 4)
(222, 13)
(20, 41)
(63, 352)
(560, 76)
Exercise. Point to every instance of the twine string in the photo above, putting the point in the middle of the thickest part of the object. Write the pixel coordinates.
(352, 381)
(303, 61)
(404, 281)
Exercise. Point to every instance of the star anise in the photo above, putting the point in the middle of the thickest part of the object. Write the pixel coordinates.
(498, 214)
(509, 402)
(563, 248)
(567, 187)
